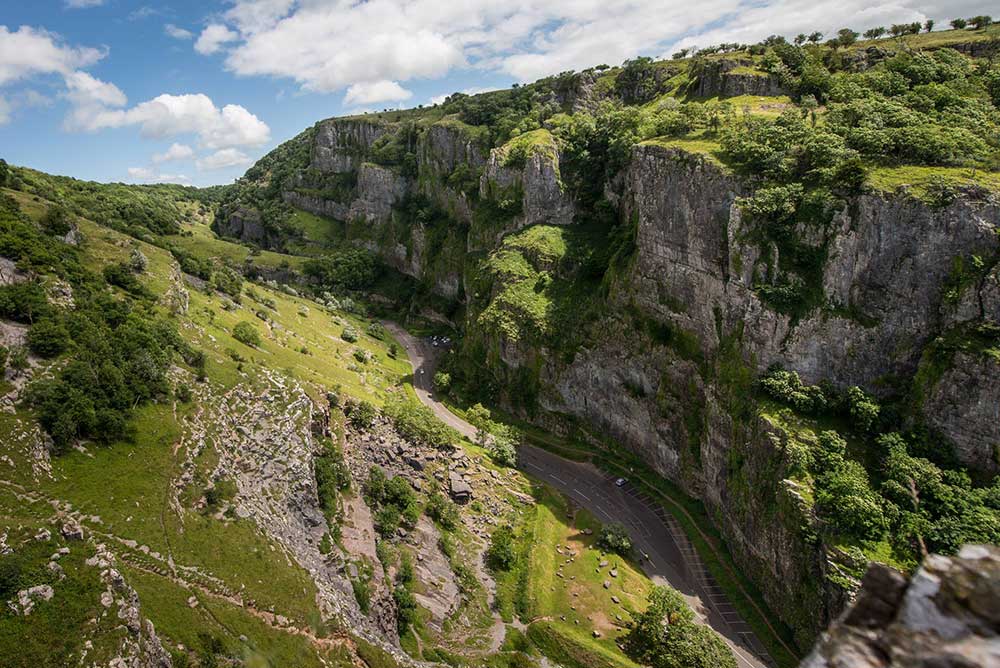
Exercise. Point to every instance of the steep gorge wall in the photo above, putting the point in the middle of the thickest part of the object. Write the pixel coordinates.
(679, 400)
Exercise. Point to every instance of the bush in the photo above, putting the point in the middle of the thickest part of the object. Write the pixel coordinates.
(350, 269)
(121, 275)
(349, 334)
(442, 510)
(48, 337)
(614, 538)
(376, 331)
(502, 552)
(502, 447)
(363, 415)
(23, 302)
(406, 608)
(442, 382)
(787, 387)
(247, 334)
(846, 501)
(418, 423)
(864, 409)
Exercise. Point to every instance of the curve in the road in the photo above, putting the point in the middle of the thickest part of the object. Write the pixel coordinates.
(669, 558)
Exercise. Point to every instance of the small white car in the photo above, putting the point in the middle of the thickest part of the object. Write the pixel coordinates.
(620, 482)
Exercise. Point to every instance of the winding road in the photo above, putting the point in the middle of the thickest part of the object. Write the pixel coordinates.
(668, 556)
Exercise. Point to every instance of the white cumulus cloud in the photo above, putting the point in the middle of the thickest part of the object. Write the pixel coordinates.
(177, 32)
(173, 115)
(376, 91)
(30, 51)
(329, 46)
(213, 37)
(149, 175)
(227, 157)
(175, 152)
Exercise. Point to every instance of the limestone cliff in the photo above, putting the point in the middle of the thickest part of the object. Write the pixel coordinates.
(664, 348)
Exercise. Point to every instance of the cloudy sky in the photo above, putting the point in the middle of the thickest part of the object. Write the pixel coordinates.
(194, 91)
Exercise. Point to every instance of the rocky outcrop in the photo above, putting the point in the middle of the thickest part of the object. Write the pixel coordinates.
(317, 205)
(535, 185)
(247, 225)
(888, 258)
(341, 145)
(379, 189)
(731, 78)
(964, 407)
(946, 616)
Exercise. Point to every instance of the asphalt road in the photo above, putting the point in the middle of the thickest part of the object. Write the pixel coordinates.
(667, 555)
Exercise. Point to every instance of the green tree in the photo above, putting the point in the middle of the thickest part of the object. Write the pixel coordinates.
(665, 635)
(48, 337)
(846, 501)
(363, 415)
(959, 24)
(247, 334)
(502, 552)
(442, 381)
(615, 538)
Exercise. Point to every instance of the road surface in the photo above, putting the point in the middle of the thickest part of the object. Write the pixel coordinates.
(672, 560)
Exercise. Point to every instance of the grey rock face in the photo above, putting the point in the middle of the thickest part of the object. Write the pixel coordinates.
(543, 199)
(964, 406)
(341, 145)
(722, 78)
(947, 616)
(319, 206)
(246, 225)
(379, 188)
(888, 260)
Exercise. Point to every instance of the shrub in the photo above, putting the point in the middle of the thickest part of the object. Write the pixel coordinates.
(23, 302)
(349, 334)
(183, 394)
(787, 387)
(442, 381)
(376, 331)
(614, 538)
(121, 275)
(48, 337)
(137, 261)
(846, 501)
(502, 447)
(363, 415)
(406, 608)
(418, 423)
(864, 410)
(442, 510)
(247, 334)
(502, 552)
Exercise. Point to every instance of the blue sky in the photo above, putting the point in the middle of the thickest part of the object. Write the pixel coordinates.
(193, 92)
